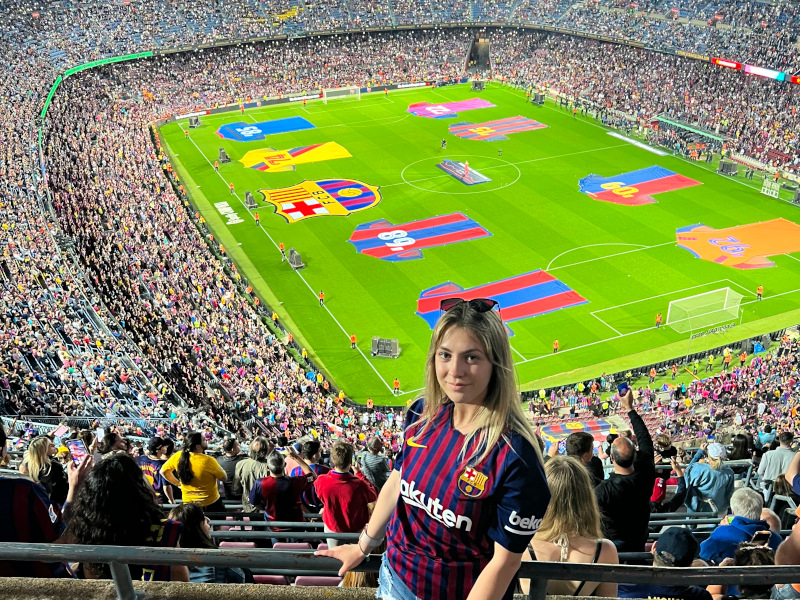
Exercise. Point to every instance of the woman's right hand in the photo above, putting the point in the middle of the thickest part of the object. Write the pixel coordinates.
(349, 554)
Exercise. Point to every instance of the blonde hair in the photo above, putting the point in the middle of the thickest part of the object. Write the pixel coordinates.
(573, 508)
(35, 458)
(503, 405)
(714, 463)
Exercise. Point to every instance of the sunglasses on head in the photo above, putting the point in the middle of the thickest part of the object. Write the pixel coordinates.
(480, 305)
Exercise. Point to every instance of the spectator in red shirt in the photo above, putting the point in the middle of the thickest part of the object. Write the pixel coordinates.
(279, 496)
(344, 496)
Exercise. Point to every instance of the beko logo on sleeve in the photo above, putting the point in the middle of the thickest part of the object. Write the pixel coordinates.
(527, 525)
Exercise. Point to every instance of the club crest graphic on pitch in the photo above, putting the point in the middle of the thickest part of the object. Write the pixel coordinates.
(326, 197)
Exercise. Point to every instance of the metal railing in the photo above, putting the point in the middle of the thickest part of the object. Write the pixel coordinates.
(119, 557)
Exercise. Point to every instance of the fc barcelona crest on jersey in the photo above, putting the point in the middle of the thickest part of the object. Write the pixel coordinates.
(338, 197)
(471, 483)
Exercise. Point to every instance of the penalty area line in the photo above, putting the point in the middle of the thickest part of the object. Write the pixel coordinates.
(299, 274)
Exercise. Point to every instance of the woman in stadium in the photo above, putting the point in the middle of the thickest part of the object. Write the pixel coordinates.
(116, 506)
(196, 533)
(467, 491)
(197, 473)
(570, 530)
(39, 463)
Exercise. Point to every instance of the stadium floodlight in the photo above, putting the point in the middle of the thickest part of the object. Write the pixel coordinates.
(352, 92)
(704, 310)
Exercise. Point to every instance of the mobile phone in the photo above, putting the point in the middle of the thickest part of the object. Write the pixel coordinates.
(761, 537)
(562, 446)
(78, 450)
(60, 431)
(622, 388)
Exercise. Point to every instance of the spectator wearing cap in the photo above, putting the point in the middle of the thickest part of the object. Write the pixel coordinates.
(776, 462)
(232, 457)
(709, 485)
(311, 451)
(580, 445)
(151, 464)
(345, 496)
(252, 469)
(373, 464)
(624, 498)
(676, 547)
(746, 505)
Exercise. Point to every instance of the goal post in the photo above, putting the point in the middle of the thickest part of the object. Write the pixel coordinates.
(352, 92)
(703, 310)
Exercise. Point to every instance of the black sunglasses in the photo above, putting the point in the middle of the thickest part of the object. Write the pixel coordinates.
(480, 305)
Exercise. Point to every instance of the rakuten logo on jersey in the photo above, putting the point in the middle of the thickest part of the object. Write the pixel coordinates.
(526, 525)
(433, 506)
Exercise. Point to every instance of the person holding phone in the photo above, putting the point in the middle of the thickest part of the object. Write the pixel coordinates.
(468, 490)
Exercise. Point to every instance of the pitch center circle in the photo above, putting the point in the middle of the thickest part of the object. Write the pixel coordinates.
(435, 177)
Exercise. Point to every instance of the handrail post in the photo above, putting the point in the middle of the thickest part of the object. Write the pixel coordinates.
(538, 589)
(123, 583)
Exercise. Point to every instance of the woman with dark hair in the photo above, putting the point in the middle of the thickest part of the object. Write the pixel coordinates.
(111, 442)
(196, 533)
(740, 448)
(196, 473)
(116, 507)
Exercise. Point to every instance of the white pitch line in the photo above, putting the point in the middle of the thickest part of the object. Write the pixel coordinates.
(771, 296)
(518, 352)
(560, 351)
(686, 289)
(299, 274)
(604, 323)
(582, 262)
(550, 264)
(740, 286)
(792, 257)
(522, 162)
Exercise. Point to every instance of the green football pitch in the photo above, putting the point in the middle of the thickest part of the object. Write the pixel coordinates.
(623, 260)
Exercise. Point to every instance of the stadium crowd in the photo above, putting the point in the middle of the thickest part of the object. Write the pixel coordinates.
(146, 324)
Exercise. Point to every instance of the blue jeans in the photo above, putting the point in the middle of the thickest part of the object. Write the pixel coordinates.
(390, 586)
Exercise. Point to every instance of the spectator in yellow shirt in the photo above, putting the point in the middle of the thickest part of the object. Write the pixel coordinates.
(195, 473)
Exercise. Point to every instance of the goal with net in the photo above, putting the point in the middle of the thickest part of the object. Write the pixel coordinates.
(704, 310)
(351, 92)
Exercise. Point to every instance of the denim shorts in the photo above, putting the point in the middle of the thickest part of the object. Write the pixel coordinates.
(390, 586)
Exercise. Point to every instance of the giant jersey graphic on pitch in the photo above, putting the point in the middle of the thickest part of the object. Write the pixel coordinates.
(406, 241)
(446, 110)
(252, 132)
(494, 131)
(634, 188)
(274, 161)
(519, 297)
(337, 197)
(743, 246)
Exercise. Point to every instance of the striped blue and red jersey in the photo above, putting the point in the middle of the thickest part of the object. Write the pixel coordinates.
(27, 515)
(309, 497)
(450, 514)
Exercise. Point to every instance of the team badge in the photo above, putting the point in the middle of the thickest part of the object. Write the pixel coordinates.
(471, 483)
(337, 197)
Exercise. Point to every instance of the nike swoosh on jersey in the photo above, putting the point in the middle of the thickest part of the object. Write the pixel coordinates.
(410, 441)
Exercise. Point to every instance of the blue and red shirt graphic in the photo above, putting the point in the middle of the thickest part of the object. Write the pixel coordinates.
(450, 514)
(395, 243)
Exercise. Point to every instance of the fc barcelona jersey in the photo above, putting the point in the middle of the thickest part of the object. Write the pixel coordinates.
(450, 515)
